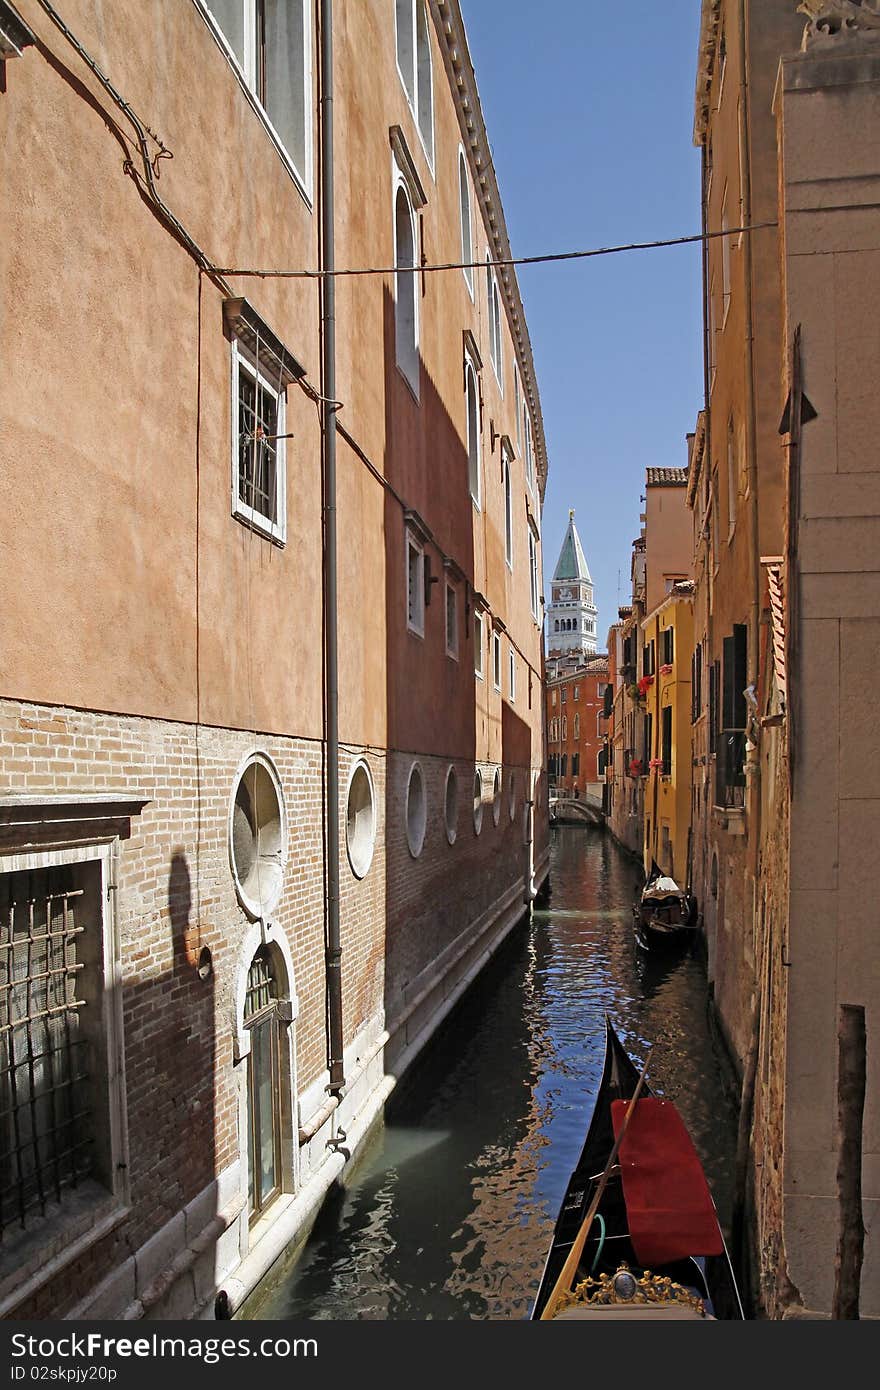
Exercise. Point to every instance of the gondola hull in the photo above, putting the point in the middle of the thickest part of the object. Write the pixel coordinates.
(665, 917)
(704, 1283)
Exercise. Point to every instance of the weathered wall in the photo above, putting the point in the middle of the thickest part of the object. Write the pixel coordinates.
(828, 113)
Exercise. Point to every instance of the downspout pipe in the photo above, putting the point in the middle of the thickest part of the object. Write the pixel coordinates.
(333, 947)
(752, 430)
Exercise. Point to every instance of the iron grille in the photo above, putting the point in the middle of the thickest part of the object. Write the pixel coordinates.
(257, 458)
(45, 1113)
(261, 991)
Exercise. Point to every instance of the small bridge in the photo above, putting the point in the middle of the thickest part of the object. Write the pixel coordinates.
(586, 809)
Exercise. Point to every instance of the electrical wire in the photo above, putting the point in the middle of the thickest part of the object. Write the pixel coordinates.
(543, 259)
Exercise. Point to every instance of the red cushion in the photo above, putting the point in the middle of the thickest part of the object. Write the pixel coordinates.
(668, 1202)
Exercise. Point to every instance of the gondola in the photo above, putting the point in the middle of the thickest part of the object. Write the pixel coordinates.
(665, 915)
(654, 1248)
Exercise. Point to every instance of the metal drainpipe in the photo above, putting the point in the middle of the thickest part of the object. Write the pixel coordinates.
(333, 949)
(751, 443)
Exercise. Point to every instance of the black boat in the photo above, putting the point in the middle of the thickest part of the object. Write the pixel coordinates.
(665, 915)
(654, 1247)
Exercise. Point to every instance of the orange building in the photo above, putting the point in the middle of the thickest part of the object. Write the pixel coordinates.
(271, 720)
(576, 722)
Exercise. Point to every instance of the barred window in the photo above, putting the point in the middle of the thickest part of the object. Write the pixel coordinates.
(50, 944)
(263, 1018)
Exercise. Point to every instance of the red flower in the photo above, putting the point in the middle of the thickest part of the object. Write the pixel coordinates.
(645, 684)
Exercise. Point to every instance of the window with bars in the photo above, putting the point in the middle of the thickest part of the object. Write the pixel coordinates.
(262, 369)
(53, 1118)
(263, 1019)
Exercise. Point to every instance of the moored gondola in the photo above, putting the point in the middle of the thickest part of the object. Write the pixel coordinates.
(637, 1234)
(665, 915)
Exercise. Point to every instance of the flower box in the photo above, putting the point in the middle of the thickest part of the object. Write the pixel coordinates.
(666, 670)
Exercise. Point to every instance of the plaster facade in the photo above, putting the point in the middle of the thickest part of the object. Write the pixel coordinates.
(155, 637)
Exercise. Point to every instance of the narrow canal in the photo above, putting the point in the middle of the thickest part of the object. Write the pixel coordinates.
(450, 1210)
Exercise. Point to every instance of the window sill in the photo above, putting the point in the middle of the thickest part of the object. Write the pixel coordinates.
(34, 1257)
(276, 534)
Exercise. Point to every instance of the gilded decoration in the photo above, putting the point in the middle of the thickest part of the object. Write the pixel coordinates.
(623, 1287)
(835, 21)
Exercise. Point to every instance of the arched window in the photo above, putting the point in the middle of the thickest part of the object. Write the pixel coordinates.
(464, 199)
(508, 514)
(472, 408)
(265, 1018)
(577, 726)
(405, 304)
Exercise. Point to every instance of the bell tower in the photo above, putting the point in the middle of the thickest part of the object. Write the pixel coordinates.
(571, 613)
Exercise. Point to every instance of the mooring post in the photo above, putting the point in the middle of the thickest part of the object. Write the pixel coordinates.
(851, 1079)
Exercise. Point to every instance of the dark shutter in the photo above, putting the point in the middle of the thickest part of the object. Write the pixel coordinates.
(608, 701)
(740, 674)
(649, 731)
(713, 705)
(666, 733)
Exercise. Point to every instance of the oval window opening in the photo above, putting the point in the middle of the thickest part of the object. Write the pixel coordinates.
(360, 820)
(451, 805)
(258, 838)
(416, 811)
(478, 801)
(496, 796)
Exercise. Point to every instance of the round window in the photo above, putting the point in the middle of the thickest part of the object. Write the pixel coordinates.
(450, 810)
(360, 820)
(258, 837)
(512, 791)
(478, 801)
(416, 811)
(496, 796)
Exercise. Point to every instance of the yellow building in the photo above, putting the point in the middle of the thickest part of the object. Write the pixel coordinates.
(667, 658)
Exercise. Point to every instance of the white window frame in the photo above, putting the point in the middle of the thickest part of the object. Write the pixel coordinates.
(464, 211)
(451, 637)
(422, 69)
(479, 656)
(471, 373)
(507, 479)
(533, 574)
(277, 530)
(415, 623)
(511, 673)
(409, 369)
(496, 660)
(246, 73)
(518, 410)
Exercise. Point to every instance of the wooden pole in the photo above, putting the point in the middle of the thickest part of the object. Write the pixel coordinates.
(569, 1269)
(851, 1077)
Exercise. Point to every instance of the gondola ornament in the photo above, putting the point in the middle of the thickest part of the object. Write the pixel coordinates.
(623, 1287)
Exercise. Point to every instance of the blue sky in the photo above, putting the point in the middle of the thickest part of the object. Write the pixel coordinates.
(589, 109)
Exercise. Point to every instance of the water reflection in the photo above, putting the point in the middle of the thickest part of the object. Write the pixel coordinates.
(450, 1211)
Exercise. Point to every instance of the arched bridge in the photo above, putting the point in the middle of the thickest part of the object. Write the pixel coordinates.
(586, 808)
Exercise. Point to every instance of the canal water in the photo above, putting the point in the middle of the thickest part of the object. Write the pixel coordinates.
(450, 1210)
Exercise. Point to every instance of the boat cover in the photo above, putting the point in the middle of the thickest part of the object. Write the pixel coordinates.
(669, 1206)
